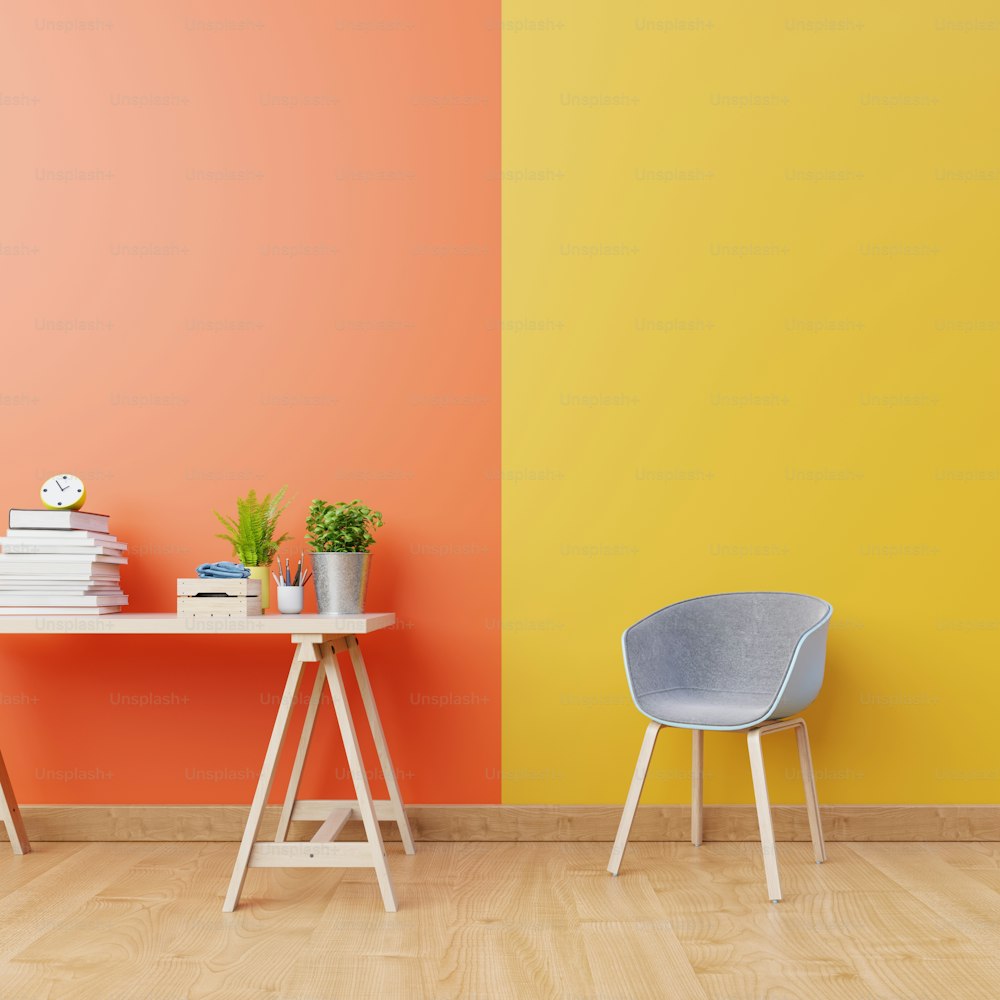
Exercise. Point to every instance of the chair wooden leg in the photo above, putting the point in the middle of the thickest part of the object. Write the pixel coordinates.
(697, 786)
(300, 758)
(632, 801)
(764, 814)
(10, 814)
(809, 785)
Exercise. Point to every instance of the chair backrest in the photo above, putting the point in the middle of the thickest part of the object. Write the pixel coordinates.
(770, 646)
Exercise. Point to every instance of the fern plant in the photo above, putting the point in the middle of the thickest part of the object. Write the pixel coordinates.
(341, 527)
(251, 532)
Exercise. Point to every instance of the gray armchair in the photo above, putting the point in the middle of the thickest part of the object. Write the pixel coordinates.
(742, 662)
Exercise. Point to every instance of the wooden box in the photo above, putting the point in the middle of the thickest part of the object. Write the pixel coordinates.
(199, 598)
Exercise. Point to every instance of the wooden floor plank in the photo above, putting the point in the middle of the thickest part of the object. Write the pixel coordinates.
(950, 979)
(122, 926)
(980, 855)
(960, 901)
(513, 885)
(639, 961)
(622, 920)
(76, 874)
(815, 943)
(989, 877)
(507, 928)
(496, 921)
(255, 950)
(28, 867)
(504, 961)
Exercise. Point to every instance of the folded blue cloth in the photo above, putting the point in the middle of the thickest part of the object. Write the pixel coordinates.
(223, 571)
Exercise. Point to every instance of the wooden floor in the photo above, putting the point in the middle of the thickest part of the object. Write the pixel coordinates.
(496, 921)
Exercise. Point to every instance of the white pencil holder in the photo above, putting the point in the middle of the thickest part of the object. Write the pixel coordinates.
(290, 600)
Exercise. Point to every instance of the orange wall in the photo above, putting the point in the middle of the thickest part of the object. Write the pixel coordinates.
(254, 249)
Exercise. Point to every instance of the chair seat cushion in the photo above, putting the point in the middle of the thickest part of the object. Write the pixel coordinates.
(703, 708)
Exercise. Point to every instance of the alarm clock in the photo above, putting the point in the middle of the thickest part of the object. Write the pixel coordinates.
(63, 492)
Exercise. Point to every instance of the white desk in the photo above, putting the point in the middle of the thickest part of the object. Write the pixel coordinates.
(317, 639)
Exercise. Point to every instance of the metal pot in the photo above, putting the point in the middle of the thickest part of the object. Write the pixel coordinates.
(341, 579)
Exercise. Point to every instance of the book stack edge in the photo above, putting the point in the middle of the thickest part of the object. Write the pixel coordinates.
(60, 562)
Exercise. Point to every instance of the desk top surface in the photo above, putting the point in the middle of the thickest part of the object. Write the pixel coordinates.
(170, 623)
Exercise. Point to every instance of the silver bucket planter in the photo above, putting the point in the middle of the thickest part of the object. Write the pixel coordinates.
(341, 579)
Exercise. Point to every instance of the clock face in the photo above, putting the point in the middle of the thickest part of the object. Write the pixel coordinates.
(63, 492)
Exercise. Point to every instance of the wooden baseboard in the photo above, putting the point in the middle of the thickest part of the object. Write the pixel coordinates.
(470, 823)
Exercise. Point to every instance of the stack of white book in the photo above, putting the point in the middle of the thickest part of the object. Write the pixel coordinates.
(60, 562)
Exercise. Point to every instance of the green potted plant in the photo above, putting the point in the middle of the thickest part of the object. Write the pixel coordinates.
(340, 535)
(251, 534)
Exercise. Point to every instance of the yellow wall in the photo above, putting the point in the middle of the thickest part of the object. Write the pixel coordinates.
(750, 342)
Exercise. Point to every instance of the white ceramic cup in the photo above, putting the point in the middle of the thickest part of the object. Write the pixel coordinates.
(290, 600)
